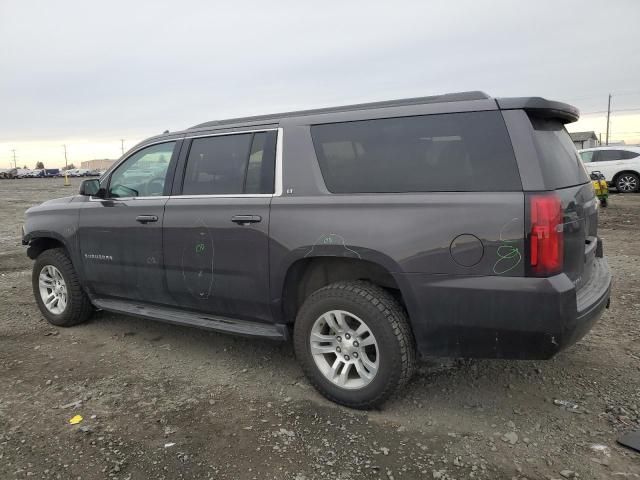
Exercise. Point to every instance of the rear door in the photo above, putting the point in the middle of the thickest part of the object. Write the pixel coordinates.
(216, 225)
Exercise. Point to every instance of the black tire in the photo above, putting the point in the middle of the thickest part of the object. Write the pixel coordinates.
(78, 308)
(388, 323)
(627, 182)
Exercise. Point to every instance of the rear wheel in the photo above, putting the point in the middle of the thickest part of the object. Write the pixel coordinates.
(354, 343)
(627, 183)
(57, 289)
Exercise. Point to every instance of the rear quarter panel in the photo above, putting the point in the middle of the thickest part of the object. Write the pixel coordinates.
(439, 234)
(436, 234)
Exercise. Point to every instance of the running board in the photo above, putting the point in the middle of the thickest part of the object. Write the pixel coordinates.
(194, 319)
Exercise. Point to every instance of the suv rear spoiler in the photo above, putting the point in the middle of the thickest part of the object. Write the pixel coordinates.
(541, 107)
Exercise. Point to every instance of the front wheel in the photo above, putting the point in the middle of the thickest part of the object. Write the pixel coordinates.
(57, 289)
(627, 183)
(354, 343)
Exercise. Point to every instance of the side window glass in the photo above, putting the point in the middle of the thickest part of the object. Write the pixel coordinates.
(449, 152)
(231, 165)
(261, 167)
(254, 167)
(143, 174)
(609, 155)
(586, 157)
(626, 154)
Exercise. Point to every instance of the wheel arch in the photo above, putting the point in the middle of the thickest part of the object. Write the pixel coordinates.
(38, 242)
(306, 275)
(614, 180)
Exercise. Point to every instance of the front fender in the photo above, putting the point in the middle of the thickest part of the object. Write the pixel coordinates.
(56, 220)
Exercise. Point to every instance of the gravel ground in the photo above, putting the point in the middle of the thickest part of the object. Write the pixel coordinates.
(161, 401)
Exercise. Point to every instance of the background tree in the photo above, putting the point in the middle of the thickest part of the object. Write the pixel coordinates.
(25, 167)
(39, 166)
(71, 166)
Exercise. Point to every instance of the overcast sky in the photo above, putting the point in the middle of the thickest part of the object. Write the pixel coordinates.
(89, 73)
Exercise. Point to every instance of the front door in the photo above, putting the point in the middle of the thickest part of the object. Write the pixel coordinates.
(121, 235)
(216, 226)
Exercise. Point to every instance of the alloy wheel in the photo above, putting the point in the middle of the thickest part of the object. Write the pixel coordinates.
(627, 183)
(53, 289)
(344, 349)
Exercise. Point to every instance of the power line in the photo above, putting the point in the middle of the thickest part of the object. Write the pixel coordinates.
(621, 94)
(626, 135)
(627, 110)
(613, 111)
(615, 94)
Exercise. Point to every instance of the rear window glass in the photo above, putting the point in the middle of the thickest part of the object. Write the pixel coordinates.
(449, 152)
(559, 160)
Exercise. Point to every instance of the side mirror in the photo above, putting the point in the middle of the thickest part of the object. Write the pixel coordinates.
(91, 187)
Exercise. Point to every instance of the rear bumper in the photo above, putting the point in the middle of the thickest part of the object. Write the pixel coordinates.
(503, 317)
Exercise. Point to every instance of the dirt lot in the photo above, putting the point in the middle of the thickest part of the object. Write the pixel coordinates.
(162, 401)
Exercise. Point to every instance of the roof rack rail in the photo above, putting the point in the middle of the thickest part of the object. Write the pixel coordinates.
(445, 98)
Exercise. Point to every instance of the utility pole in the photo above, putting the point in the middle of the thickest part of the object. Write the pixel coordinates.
(65, 156)
(15, 163)
(608, 115)
(122, 145)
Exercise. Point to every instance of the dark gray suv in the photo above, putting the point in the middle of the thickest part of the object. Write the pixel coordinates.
(456, 225)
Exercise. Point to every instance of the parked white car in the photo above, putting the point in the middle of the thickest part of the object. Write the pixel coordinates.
(77, 172)
(619, 165)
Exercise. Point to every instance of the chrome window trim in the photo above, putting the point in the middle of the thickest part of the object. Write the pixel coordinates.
(123, 159)
(226, 195)
(277, 189)
(234, 132)
(277, 176)
(120, 199)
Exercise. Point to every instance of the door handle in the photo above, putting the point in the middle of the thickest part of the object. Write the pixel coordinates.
(246, 219)
(146, 218)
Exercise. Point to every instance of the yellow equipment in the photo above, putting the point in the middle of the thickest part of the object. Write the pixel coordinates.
(600, 186)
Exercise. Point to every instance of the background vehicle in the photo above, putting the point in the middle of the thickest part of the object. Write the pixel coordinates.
(8, 173)
(619, 165)
(456, 225)
(74, 172)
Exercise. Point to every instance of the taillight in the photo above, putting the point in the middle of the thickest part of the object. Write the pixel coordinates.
(546, 238)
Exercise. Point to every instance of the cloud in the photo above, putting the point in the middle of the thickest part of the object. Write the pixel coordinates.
(120, 69)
